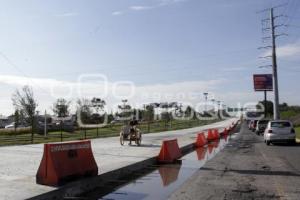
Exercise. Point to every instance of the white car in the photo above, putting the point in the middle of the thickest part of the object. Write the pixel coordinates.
(12, 125)
(279, 131)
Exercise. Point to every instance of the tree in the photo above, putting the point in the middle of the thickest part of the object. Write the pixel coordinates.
(189, 112)
(98, 103)
(269, 107)
(283, 107)
(84, 110)
(149, 112)
(17, 118)
(24, 101)
(61, 107)
(165, 113)
(125, 110)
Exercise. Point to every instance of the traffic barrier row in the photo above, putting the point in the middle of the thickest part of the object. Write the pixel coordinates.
(224, 132)
(213, 134)
(201, 140)
(62, 162)
(169, 152)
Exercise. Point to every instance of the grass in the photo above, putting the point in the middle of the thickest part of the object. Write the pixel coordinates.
(288, 114)
(297, 129)
(19, 138)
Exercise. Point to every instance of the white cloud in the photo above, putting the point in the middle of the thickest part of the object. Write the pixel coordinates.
(168, 2)
(231, 69)
(140, 8)
(67, 14)
(117, 13)
(286, 51)
(291, 50)
(160, 3)
(47, 90)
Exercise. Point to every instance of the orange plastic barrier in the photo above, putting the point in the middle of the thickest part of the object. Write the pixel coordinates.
(169, 152)
(216, 134)
(201, 153)
(225, 132)
(216, 144)
(201, 140)
(210, 135)
(169, 174)
(67, 161)
(210, 147)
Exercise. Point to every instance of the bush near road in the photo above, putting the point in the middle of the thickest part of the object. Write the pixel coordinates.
(290, 113)
(298, 132)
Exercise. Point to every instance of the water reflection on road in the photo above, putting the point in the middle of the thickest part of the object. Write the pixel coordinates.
(160, 183)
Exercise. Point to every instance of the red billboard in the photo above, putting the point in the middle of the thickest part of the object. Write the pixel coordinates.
(263, 82)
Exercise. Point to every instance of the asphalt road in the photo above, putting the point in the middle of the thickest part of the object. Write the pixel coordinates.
(247, 169)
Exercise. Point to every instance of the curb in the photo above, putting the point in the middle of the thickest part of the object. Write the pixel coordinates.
(89, 184)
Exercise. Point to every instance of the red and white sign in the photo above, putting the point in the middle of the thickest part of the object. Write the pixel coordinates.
(263, 82)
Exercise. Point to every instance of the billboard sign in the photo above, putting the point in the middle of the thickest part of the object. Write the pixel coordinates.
(263, 82)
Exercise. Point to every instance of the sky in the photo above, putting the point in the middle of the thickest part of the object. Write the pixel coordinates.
(144, 50)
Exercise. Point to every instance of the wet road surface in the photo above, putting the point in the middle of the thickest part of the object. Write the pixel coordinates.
(247, 169)
(163, 180)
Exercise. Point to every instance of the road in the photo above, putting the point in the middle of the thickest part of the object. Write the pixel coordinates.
(19, 164)
(247, 169)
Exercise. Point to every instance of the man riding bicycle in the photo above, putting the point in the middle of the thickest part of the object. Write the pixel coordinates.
(133, 123)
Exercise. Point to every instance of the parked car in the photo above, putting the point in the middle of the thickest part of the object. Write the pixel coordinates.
(279, 131)
(252, 125)
(12, 125)
(261, 125)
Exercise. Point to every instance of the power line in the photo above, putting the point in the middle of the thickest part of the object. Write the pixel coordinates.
(12, 64)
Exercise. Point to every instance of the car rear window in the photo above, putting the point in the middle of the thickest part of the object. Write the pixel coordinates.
(280, 124)
(263, 122)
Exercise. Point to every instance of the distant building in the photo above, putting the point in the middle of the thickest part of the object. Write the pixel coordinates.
(56, 123)
(5, 121)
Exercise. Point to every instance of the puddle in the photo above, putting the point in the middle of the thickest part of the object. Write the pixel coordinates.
(158, 182)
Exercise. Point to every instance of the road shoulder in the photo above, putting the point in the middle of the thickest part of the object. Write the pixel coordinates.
(243, 170)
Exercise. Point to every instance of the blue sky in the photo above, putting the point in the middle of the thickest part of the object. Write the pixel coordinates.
(160, 45)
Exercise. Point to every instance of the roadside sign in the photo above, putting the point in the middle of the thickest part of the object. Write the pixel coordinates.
(263, 82)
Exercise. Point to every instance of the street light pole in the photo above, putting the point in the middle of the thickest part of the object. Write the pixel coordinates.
(205, 97)
(45, 124)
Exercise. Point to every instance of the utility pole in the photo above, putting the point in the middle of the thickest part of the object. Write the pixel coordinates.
(274, 67)
(265, 102)
(272, 28)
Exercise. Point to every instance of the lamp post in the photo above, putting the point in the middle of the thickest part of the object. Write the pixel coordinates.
(60, 115)
(213, 101)
(218, 108)
(205, 97)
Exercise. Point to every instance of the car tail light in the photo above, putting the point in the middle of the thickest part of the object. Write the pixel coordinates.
(270, 131)
(293, 130)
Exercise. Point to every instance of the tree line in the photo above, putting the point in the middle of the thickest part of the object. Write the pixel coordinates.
(92, 110)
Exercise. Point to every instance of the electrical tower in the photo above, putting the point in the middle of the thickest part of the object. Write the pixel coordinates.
(272, 30)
